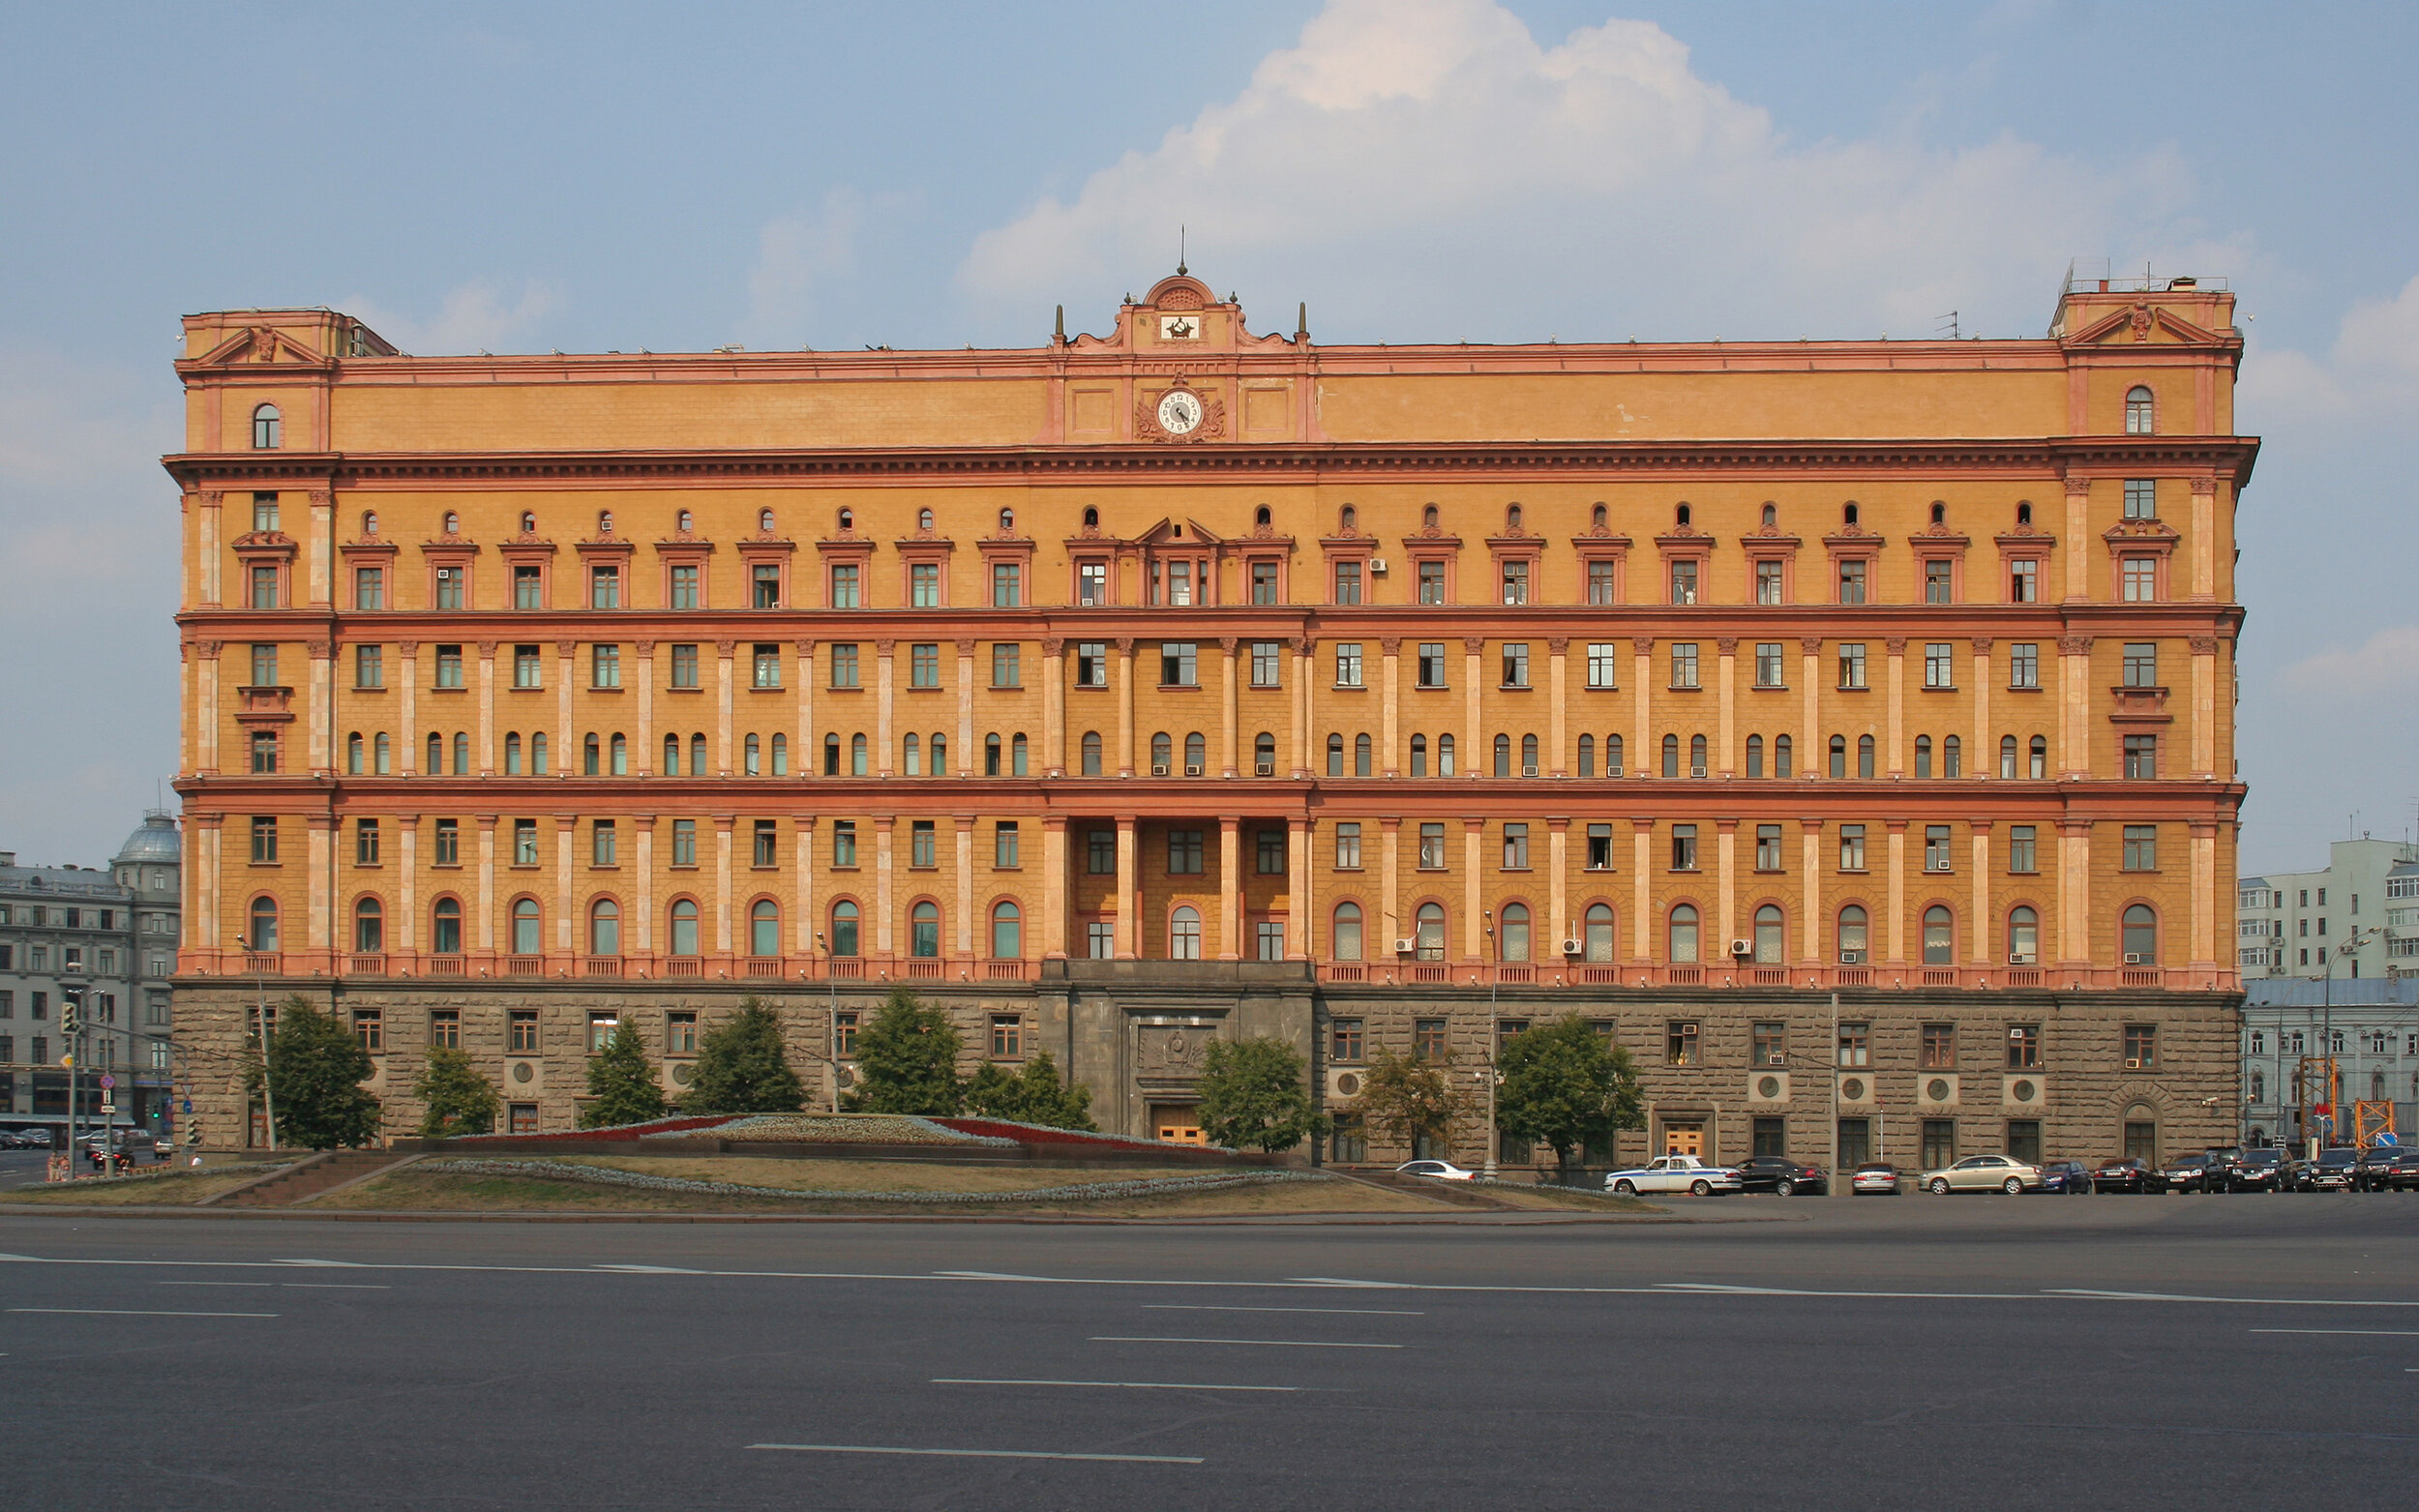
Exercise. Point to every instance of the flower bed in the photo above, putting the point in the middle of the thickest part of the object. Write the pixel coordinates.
(1007, 1132)
(1089, 1191)
(846, 1129)
(652, 1128)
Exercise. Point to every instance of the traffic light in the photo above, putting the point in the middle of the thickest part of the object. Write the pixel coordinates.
(193, 1134)
(71, 1016)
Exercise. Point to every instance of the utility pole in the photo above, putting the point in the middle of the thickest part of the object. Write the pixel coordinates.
(1842, 1183)
(1494, 1032)
(268, 1106)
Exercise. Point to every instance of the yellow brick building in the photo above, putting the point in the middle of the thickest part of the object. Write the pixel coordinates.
(1131, 691)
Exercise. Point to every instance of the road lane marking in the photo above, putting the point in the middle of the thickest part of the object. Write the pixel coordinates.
(1129, 1385)
(335, 1285)
(1281, 1344)
(1210, 1307)
(2364, 1333)
(983, 1454)
(134, 1312)
(1341, 1280)
(263, 1285)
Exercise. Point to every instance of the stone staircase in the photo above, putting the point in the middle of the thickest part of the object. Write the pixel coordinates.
(309, 1179)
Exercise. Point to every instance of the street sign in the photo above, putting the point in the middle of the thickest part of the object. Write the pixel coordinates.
(109, 1082)
(188, 1105)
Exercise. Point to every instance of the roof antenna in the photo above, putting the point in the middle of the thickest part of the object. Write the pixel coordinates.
(1179, 251)
(1061, 335)
(1301, 321)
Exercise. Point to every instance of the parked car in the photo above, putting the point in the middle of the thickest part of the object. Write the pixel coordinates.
(36, 1139)
(1674, 1173)
(2190, 1173)
(2331, 1171)
(1782, 1175)
(1875, 1177)
(2065, 1176)
(2386, 1169)
(1982, 1173)
(2259, 1171)
(14, 1140)
(163, 1147)
(1435, 1170)
(2125, 1173)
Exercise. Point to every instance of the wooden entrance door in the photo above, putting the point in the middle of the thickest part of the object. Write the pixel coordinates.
(1683, 1139)
(1176, 1125)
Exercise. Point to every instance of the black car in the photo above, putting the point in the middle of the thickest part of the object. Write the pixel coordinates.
(2065, 1176)
(2127, 1174)
(1781, 1174)
(2386, 1169)
(2196, 1174)
(2331, 1171)
(2259, 1171)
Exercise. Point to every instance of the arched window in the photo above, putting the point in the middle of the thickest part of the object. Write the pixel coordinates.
(1755, 755)
(1418, 756)
(1940, 945)
(445, 927)
(461, 754)
(1365, 757)
(923, 520)
(1092, 753)
(1196, 754)
(1260, 515)
(860, 764)
(368, 925)
(684, 521)
(1781, 755)
(1671, 755)
(1091, 518)
(1007, 521)
(1162, 751)
(924, 929)
(1597, 518)
(2140, 412)
(1428, 935)
(751, 758)
(1336, 755)
(1512, 519)
(527, 937)
(781, 756)
(2007, 757)
(1952, 757)
(1683, 934)
(1444, 755)
(765, 928)
(268, 428)
(1847, 513)
(2258, 1087)
(1184, 933)
(262, 935)
(1017, 764)
(1427, 517)
(512, 754)
(912, 755)
(844, 918)
(697, 756)
(1612, 756)
(1769, 943)
(383, 755)
(353, 749)
(604, 521)
(2023, 511)
(1852, 934)
(684, 927)
(1864, 756)
(605, 928)
(671, 755)
(2023, 937)
(1838, 755)
(2140, 927)
(1007, 931)
(2040, 756)
(1344, 939)
(1940, 513)
(621, 757)
(1502, 756)
(1772, 515)
(1347, 521)
(1528, 755)
(831, 755)
(370, 523)
(765, 521)
(991, 756)
(1514, 944)
(1680, 514)
(847, 520)
(437, 755)
(1587, 756)
(1598, 942)
(453, 524)
(1697, 755)
(1922, 755)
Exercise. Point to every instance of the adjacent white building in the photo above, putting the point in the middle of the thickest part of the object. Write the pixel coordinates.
(2287, 923)
(2370, 1026)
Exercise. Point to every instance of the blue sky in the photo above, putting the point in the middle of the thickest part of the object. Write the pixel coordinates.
(592, 176)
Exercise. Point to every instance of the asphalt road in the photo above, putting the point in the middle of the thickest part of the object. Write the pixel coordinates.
(1870, 1353)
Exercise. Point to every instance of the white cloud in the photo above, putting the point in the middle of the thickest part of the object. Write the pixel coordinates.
(2387, 659)
(2369, 374)
(1407, 156)
(474, 316)
(795, 254)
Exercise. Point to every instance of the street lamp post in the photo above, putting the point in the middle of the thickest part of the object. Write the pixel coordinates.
(268, 1104)
(831, 1016)
(1494, 1032)
(2326, 1036)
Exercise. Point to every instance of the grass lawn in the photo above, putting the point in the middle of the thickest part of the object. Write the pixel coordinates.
(181, 1188)
(873, 1176)
(1568, 1199)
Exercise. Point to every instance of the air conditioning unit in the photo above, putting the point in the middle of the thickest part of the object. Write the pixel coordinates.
(1264, 769)
(1571, 947)
(1687, 1031)
(1191, 770)
(2132, 960)
(1851, 958)
(1344, 1082)
(1742, 948)
(1377, 567)
(1405, 947)
(1529, 771)
(1158, 769)
(1612, 769)
(2022, 958)
(1697, 771)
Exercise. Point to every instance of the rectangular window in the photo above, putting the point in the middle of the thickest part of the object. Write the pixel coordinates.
(1008, 663)
(924, 585)
(765, 670)
(264, 839)
(2141, 663)
(1431, 848)
(263, 513)
(844, 585)
(2024, 665)
(448, 667)
(843, 843)
(1603, 663)
(1683, 848)
(445, 1027)
(1007, 1036)
(604, 665)
(764, 585)
(603, 587)
(365, 842)
(1092, 664)
(2021, 857)
(1600, 847)
(601, 847)
(684, 588)
(1347, 664)
(602, 1022)
(684, 674)
(2141, 1047)
(1100, 853)
(1768, 848)
(1348, 582)
(1939, 1047)
(1178, 668)
(1431, 582)
(2024, 582)
(1601, 589)
(1851, 847)
(369, 667)
(680, 1034)
(923, 843)
(521, 1032)
(1937, 576)
(2142, 579)
(448, 842)
(1267, 656)
(1855, 1050)
(264, 587)
(1684, 663)
(1851, 665)
(766, 850)
(2142, 853)
(369, 587)
(1852, 581)
(1344, 1041)
(526, 667)
(1427, 1038)
(370, 1027)
(924, 663)
(1768, 1045)
(1091, 583)
(844, 664)
(684, 843)
(1515, 664)
(843, 1027)
(2025, 1141)
(1431, 663)
(1515, 847)
(2141, 498)
(2024, 1046)
(1269, 847)
(525, 843)
(449, 588)
(1004, 850)
(1682, 1043)
(2141, 756)
(1939, 665)
(1936, 850)
(1768, 580)
(1348, 847)
(1263, 582)
(1184, 852)
(1769, 665)
(1684, 582)
(264, 665)
(1515, 582)
(1268, 939)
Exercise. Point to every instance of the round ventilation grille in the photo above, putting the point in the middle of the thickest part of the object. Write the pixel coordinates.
(681, 1073)
(1937, 1089)
(2024, 1091)
(1852, 1091)
(1348, 1084)
(521, 1071)
(1767, 1088)
(846, 1076)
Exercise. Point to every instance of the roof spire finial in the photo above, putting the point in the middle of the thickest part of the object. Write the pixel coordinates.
(1179, 251)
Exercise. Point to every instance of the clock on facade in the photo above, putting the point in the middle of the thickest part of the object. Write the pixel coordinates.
(1179, 411)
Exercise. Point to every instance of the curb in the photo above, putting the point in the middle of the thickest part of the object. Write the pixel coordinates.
(1525, 1219)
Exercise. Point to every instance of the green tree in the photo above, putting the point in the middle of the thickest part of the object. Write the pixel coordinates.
(1253, 1093)
(743, 1068)
(460, 1100)
(621, 1083)
(906, 1060)
(317, 1068)
(1409, 1098)
(1567, 1085)
(1034, 1095)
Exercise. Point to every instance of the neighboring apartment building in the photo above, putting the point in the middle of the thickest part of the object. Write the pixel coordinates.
(2371, 1026)
(105, 941)
(2368, 897)
(1133, 690)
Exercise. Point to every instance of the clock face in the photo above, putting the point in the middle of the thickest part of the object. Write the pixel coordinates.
(1178, 412)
